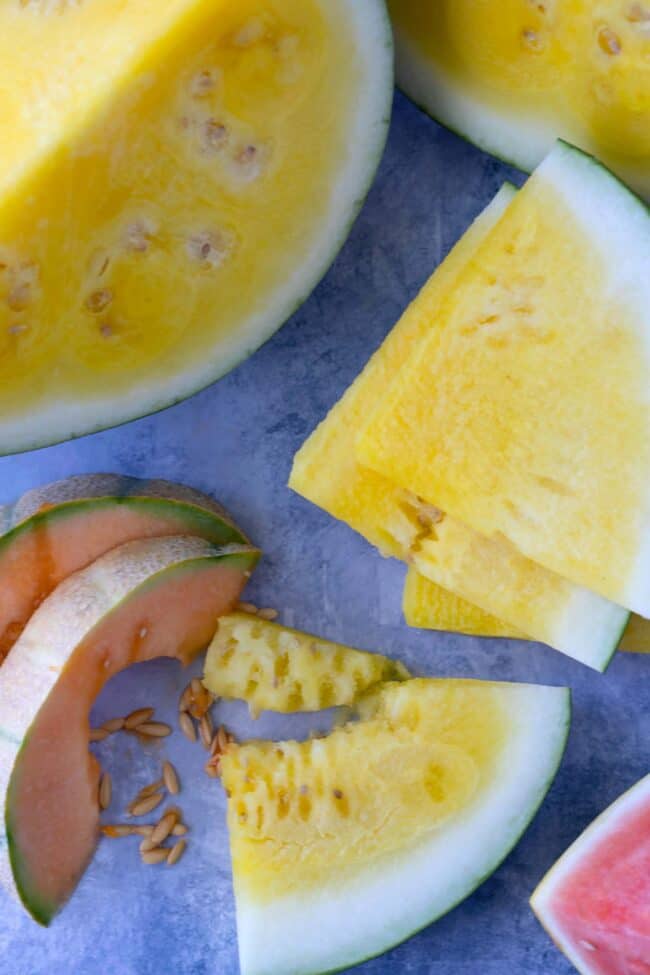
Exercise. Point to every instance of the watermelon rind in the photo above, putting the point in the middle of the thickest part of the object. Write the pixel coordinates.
(516, 138)
(321, 931)
(541, 899)
(368, 23)
(81, 603)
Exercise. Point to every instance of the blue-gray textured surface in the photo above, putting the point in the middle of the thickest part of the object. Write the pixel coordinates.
(236, 440)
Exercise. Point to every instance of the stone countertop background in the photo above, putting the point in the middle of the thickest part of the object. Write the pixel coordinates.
(236, 440)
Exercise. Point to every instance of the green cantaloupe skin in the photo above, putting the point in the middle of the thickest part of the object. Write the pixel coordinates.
(125, 575)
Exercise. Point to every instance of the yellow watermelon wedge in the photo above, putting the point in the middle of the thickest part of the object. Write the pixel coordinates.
(174, 180)
(513, 75)
(359, 839)
(524, 413)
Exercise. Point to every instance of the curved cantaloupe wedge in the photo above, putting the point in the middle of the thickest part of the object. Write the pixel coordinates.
(152, 598)
(275, 668)
(359, 839)
(58, 529)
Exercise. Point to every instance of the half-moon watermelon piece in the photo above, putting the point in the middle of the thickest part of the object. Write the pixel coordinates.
(154, 598)
(359, 839)
(513, 75)
(595, 901)
(62, 527)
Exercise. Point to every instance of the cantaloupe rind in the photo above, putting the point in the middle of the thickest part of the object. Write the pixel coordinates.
(352, 907)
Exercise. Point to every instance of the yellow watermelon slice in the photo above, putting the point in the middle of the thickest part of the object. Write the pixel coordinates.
(487, 572)
(430, 607)
(175, 178)
(524, 413)
(595, 901)
(360, 839)
(158, 597)
(513, 75)
(276, 668)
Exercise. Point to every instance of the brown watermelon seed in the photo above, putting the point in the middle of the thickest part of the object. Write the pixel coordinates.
(153, 729)
(187, 726)
(268, 614)
(205, 730)
(98, 300)
(186, 699)
(140, 807)
(138, 717)
(180, 829)
(105, 790)
(118, 830)
(170, 778)
(247, 608)
(153, 857)
(212, 768)
(608, 41)
(149, 790)
(115, 724)
(176, 852)
(142, 830)
(164, 827)
(98, 734)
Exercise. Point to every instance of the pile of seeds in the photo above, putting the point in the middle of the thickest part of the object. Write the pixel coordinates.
(137, 723)
(195, 721)
(267, 613)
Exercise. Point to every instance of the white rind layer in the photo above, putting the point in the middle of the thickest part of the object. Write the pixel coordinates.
(541, 901)
(516, 137)
(343, 924)
(55, 421)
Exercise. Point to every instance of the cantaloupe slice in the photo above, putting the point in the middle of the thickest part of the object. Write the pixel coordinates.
(360, 839)
(57, 529)
(524, 412)
(513, 75)
(490, 573)
(430, 607)
(275, 668)
(174, 186)
(153, 598)
(595, 901)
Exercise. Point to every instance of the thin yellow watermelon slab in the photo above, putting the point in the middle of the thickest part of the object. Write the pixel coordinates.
(275, 668)
(193, 192)
(326, 470)
(525, 412)
(430, 607)
(512, 76)
(488, 573)
(360, 839)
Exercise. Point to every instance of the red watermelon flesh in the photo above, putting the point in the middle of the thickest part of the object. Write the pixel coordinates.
(595, 901)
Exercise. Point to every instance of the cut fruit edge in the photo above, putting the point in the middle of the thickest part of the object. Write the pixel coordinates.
(393, 900)
(591, 838)
(66, 624)
(493, 131)
(64, 420)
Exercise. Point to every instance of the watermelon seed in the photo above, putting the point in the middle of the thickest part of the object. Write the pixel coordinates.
(143, 806)
(105, 791)
(247, 608)
(212, 768)
(337, 793)
(141, 830)
(180, 829)
(215, 134)
(187, 726)
(98, 734)
(138, 717)
(139, 235)
(209, 248)
(117, 831)
(268, 613)
(99, 300)
(202, 84)
(608, 41)
(205, 730)
(115, 724)
(176, 852)
(153, 857)
(164, 827)
(532, 40)
(149, 790)
(170, 778)
(153, 729)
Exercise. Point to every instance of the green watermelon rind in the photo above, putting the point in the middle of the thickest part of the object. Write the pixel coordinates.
(56, 423)
(237, 556)
(541, 898)
(365, 954)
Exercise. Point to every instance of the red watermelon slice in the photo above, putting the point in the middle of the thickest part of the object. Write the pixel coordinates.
(595, 901)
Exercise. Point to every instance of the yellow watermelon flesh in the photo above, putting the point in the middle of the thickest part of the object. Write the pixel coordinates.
(359, 839)
(513, 75)
(173, 186)
(525, 409)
